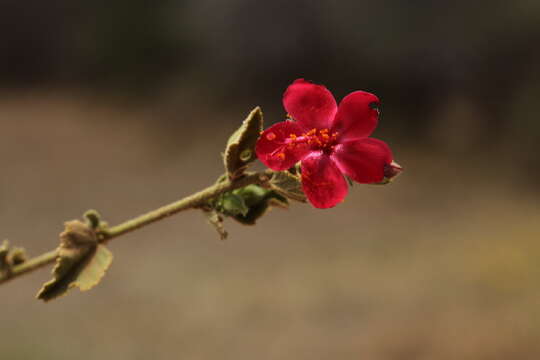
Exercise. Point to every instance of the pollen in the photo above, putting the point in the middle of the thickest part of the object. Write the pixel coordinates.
(281, 156)
(320, 139)
(270, 136)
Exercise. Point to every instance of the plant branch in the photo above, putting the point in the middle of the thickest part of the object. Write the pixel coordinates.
(190, 202)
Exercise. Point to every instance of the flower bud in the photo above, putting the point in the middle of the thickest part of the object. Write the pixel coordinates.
(392, 170)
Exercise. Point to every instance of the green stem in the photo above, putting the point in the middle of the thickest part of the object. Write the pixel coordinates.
(191, 202)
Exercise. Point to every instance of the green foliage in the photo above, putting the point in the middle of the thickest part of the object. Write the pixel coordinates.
(233, 204)
(245, 205)
(81, 261)
(258, 200)
(240, 150)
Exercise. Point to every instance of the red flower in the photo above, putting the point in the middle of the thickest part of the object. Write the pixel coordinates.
(329, 141)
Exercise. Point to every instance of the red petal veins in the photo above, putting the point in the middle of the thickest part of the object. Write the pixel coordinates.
(363, 160)
(356, 117)
(322, 181)
(274, 151)
(313, 106)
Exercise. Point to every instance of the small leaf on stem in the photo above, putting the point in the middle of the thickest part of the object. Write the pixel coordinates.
(216, 220)
(240, 149)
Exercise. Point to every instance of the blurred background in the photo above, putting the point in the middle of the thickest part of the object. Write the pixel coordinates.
(124, 106)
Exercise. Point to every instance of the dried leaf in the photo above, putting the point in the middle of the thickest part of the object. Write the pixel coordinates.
(81, 261)
(279, 203)
(10, 256)
(16, 256)
(216, 220)
(240, 149)
(4, 251)
(95, 269)
(287, 185)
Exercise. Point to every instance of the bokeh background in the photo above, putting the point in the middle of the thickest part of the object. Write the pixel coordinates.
(123, 106)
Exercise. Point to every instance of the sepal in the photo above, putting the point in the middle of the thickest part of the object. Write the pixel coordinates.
(287, 185)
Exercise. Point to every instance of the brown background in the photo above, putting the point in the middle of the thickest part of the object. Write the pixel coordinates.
(124, 106)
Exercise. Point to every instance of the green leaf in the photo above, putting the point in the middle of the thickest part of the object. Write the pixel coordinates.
(216, 220)
(240, 150)
(258, 200)
(254, 213)
(234, 204)
(287, 185)
(252, 194)
(81, 261)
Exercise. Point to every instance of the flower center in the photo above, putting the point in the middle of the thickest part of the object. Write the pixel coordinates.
(315, 139)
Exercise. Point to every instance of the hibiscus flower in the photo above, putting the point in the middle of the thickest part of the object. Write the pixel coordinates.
(329, 141)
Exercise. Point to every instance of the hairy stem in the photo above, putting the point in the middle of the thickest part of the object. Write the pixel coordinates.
(190, 202)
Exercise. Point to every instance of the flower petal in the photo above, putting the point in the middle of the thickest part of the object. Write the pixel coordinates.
(357, 116)
(363, 160)
(274, 151)
(313, 106)
(322, 181)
